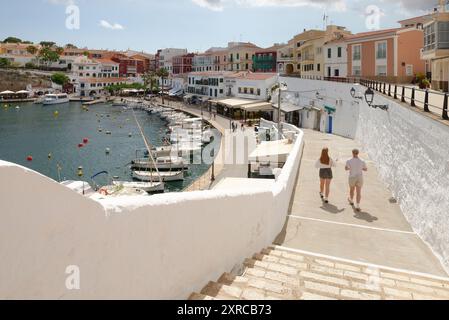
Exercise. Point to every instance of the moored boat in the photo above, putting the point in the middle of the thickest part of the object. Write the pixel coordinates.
(51, 99)
(151, 176)
(161, 163)
(150, 187)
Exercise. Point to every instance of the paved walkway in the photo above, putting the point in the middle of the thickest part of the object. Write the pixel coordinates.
(222, 170)
(379, 234)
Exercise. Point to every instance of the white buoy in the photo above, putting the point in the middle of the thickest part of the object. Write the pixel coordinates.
(108, 151)
(130, 135)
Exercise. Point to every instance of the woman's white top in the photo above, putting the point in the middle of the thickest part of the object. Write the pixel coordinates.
(320, 165)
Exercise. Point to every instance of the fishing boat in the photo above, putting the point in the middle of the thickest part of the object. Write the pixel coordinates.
(150, 176)
(150, 187)
(51, 99)
(161, 163)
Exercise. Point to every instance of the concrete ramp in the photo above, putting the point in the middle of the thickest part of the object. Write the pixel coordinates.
(378, 235)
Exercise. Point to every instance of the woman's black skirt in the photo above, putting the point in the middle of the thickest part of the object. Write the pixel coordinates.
(326, 174)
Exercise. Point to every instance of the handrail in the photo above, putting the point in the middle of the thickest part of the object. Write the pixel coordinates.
(397, 92)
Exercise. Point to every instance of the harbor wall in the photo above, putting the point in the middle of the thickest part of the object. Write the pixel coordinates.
(160, 247)
(411, 153)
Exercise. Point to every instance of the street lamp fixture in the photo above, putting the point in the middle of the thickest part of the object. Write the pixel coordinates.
(369, 98)
(353, 92)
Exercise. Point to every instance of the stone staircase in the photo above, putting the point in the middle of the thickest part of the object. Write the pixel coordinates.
(280, 274)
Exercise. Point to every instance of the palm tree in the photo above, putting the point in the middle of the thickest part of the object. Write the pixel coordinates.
(163, 74)
(148, 79)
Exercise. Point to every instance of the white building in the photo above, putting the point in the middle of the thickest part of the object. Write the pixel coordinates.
(249, 85)
(224, 84)
(207, 84)
(91, 76)
(335, 59)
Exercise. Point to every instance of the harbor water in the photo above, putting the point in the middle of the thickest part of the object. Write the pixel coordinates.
(53, 136)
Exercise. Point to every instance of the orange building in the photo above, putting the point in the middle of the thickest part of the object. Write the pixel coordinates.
(392, 55)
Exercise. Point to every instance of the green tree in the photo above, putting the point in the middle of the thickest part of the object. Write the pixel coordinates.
(86, 53)
(71, 46)
(47, 44)
(12, 40)
(32, 50)
(60, 78)
(48, 56)
(163, 74)
(4, 63)
(59, 50)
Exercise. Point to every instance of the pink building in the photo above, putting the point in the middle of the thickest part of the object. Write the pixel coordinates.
(392, 55)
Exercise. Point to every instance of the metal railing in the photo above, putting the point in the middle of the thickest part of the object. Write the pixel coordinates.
(428, 101)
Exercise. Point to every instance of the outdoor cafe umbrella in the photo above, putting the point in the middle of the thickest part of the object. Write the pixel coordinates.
(6, 92)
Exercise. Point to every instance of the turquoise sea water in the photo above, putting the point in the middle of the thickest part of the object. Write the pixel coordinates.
(34, 130)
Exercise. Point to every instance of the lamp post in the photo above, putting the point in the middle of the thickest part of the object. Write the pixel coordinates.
(281, 86)
(369, 98)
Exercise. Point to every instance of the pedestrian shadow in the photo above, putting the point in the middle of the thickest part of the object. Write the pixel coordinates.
(330, 208)
(361, 215)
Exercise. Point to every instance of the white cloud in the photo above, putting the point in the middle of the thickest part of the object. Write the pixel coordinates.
(219, 5)
(107, 25)
(215, 5)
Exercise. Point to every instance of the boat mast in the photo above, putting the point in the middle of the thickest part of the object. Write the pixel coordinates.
(147, 145)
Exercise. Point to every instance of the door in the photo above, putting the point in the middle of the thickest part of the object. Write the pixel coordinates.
(337, 72)
(329, 72)
(331, 124)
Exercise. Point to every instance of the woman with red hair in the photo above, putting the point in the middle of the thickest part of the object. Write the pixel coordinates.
(325, 164)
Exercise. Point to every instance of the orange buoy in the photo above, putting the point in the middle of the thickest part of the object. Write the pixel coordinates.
(29, 158)
(80, 145)
(85, 141)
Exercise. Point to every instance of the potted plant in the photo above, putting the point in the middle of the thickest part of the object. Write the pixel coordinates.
(421, 81)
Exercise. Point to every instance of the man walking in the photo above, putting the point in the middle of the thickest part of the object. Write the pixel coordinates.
(356, 167)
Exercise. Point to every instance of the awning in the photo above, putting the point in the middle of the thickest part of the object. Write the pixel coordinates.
(272, 151)
(258, 106)
(234, 103)
(22, 92)
(7, 92)
(288, 107)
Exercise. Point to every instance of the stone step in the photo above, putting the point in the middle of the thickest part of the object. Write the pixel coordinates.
(385, 273)
(275, 273)
(199, 297)
(221, 291)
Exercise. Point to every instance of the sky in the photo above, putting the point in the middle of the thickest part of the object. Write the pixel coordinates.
(147, 25)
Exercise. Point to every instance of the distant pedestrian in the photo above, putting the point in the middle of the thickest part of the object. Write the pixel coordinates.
(325, 164)
(356, 167)
(242, 127)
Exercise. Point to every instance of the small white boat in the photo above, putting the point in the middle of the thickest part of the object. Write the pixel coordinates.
(80, 187)
(152, 176)
(161, 163)
(51, 99)
(149, 187)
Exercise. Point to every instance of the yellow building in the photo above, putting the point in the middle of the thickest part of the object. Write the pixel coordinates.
(309, 50)
(302, 45)
(240, 56)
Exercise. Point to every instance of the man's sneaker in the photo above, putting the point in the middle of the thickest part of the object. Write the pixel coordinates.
(357, 207)
(321, 195)
(351, 202)
(326, 200)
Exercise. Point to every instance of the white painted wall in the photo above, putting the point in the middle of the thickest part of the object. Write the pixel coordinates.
(160, 247)
(334, 95)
